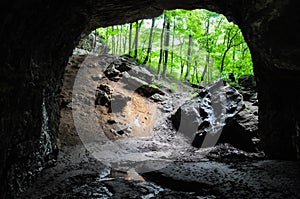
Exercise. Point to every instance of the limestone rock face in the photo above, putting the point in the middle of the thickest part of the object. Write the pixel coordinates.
(37, 38)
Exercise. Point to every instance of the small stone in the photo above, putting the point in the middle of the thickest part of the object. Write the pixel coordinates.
(96, 77)
(111, 71)
(106, 88)
(111, 121)
(157, 98)
(113, 131)
(101, 98)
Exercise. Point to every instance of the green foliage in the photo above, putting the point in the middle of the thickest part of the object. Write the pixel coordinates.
(218, 47)
(154, 85)
(195, 94)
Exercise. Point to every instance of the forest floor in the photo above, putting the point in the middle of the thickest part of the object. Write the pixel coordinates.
(218, 172)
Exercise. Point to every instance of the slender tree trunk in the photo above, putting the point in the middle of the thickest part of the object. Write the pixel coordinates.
(167, 41)
(125, 40)
(197, 74)
(181, 60)
(139, 26)
(113, 41)
(117, 41)
(173, 41)
(181, 67)
(120, 39)
(224, 55)
(136, 40)
(130, 38)
(188, 72)
(207, 58)
(107, 49)
(150, 42)
(161, 46)
(223, 60)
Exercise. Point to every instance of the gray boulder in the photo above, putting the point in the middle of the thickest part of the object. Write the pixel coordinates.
(202, 118)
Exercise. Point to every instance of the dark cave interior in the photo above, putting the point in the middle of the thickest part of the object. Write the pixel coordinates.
(37, 38)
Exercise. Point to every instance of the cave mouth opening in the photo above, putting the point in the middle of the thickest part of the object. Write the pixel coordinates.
(45, 70)
(129, 93)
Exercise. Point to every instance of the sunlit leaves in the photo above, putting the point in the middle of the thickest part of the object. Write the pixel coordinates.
(212, 35)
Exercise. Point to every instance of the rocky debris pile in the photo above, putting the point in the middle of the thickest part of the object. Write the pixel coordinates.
(124, 99)
(115, 70)
(218, 114)
(135, 77)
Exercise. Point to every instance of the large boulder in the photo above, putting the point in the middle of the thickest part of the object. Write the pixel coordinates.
(202, 118)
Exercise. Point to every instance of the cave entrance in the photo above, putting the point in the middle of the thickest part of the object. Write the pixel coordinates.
(142, 79)
(187, 68)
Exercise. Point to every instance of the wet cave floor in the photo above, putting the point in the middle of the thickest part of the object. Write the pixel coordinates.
(143, 130)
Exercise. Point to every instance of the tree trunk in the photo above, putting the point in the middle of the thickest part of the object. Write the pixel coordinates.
(136, 40)
(173, 41)
(207, 58)
(130, 38)
(188, 72)
(167, 41)
(120, 39)
(113, 41)
(150, 42)
(125, 40)
(117, 41)
(181, 60)
(161, 46)
(223, 59)
(181, 67)
(197, 74)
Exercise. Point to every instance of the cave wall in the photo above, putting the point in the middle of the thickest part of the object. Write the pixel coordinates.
(270, 29)
(37, 37)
